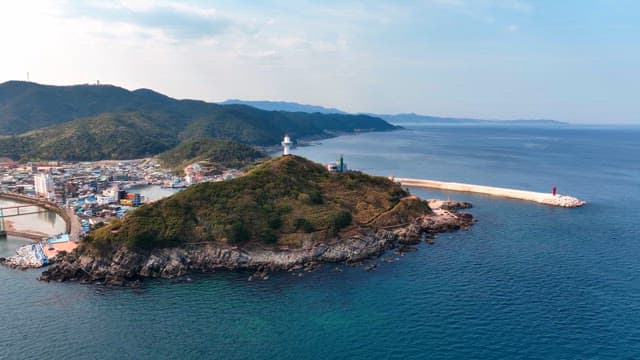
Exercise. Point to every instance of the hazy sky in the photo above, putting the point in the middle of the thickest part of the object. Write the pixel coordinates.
(577, 61)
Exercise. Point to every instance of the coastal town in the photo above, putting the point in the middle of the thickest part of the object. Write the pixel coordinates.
(86, 195)
(101, 182)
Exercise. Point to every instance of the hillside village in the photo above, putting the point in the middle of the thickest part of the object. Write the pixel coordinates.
(100, 190)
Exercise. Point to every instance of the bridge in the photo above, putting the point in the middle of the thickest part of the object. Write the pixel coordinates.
(73, 226)
(27, 209)
(17, 210)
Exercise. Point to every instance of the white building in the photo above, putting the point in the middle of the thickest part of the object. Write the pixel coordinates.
(286, 144)
(44, 185)
(189, 179)
(113, 192)
(104, 200)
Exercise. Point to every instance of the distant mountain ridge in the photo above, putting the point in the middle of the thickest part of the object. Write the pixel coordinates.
(395, 118)
(284, 106)
(95, 122)
(411, 117)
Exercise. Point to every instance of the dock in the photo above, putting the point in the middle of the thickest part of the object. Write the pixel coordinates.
(537, 197)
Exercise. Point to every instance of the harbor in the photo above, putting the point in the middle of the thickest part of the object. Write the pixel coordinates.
(552, 198)
(44, 247)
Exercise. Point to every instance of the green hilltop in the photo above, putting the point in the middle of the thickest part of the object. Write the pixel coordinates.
(282, 201)
(94, 122)
(226, 153)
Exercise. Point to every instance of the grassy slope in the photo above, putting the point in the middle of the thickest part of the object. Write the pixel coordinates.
(106, 136)
(283, 200)
(224, 152)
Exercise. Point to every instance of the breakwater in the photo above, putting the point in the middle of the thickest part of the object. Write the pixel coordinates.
(537, 197)
(35, 236)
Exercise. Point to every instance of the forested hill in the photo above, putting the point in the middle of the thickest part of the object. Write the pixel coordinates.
(82, 122)
(281, 201)
(226, 153)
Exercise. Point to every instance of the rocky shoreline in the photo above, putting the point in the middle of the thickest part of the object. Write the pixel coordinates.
(127, 268)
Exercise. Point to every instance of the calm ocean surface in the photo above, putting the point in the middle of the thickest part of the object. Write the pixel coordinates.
(527, 281)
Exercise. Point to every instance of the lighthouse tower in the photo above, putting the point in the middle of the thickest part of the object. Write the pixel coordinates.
(286, 144)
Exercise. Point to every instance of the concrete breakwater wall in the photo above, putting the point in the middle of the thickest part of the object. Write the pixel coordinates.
(35, 236)
(538, 197)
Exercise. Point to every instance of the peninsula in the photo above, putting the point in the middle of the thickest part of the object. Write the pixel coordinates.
(285, 213)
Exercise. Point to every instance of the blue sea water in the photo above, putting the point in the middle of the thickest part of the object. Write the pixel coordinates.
(526, 281)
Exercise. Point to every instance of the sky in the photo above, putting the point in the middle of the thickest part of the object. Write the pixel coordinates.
(570, 60)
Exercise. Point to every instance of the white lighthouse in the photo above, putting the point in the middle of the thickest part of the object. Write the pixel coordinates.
(286, 144)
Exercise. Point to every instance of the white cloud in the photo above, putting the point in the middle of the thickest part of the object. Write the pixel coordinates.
(364, 56)
(296, 42)
(288, 41)
(175, 20)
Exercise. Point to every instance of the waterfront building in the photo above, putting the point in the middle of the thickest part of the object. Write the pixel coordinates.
(113, 193)
(44, 185)
(104, 200)
(131, 199)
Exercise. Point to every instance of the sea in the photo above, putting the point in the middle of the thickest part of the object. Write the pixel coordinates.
(527, 281)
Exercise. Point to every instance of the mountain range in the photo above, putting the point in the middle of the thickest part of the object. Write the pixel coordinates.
(284, 106)
(94, 122)
(392, 118)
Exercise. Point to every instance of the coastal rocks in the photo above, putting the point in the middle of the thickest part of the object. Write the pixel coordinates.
(27, 257)
(444, 221)
(410, 234)
(261, 274)
(371, 267)
(359, 247)
(311, 266)
(405, 249)
(448, 204)
(563, 201)
(126, 267)
(69, 269)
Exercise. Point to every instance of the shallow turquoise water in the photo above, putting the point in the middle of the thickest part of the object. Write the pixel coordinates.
(527, 281)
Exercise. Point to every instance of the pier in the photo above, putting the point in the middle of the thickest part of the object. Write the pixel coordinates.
(537, 197)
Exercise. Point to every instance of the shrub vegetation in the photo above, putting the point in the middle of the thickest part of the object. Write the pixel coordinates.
(263, 206)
